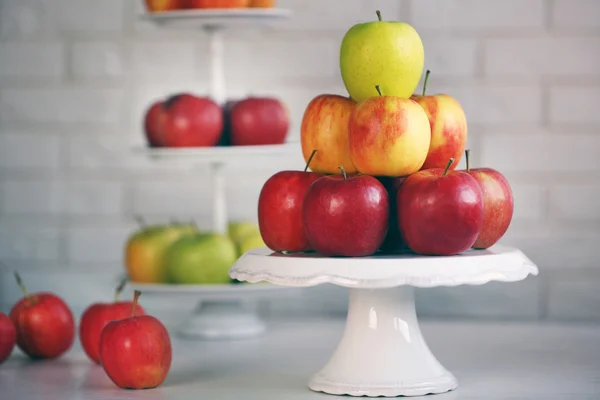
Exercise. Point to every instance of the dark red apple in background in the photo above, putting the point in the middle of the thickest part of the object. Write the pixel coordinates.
(440, 212)
(97, 316)
(393, 242)
(153, 121)
(346, 215)
(259, 121)
(280, 209)
(498, 204)
(136, 352)
(44, 324)
(8, 337)
(225, 139)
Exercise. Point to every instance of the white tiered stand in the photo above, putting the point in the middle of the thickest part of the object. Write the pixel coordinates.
(220, 313)
(382, 351)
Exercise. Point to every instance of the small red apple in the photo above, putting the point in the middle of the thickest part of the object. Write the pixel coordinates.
(346, 215)
(153, 124)
(440, 212)
(44, 324)
(135, 352)
(280, 209)
(498, 204)
(259, 121)
(8, 337)
(97, 316)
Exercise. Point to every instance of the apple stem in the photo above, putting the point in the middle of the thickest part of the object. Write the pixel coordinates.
(343, 172)
(450, 161)
(140, 221)
(21, 285)
(425, 82)
(119, 289)
(467, 151)
(310, 159)
(378, 88)
(136, 296)
(378, 15)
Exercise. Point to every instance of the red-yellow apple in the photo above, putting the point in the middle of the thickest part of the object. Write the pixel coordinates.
(218, 3)
(164, 5)
(263, 3)
(448, 128)
(388, 136)
(325, 128)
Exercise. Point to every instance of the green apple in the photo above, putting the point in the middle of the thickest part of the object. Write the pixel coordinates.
(251, 241)
(203, 258)
(385, 53)
(238, 229)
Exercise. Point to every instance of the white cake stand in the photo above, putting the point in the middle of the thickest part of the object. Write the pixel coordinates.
(382, 351)
(220, 313)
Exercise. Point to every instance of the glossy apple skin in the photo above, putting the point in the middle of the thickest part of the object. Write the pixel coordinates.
(440, 215)
(191, 121)
(448, 125)
(498, 205)
(393, 242)
(218, 3)
(8, 337)
(44, 324)
(153, 124)
(96, 317)
(388, 136)
(259, 121)
(346, 217)
(165, 5)
(280, 210)
(325, 128)
(136, 352)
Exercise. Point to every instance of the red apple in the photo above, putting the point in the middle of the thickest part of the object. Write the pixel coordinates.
(498, 204)
(346, 215)
(44, 324)
(135, 352)
(393, 242)
(440, 212)
(280, 209)
(259, 121)
(8, 337)
(164, 5)
(153, 124)
(191, 121)
(97, 316)
(218, 3)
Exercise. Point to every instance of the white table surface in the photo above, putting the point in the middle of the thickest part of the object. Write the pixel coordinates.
(492, 361)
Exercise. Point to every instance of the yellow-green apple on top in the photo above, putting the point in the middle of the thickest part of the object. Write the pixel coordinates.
(388, 136)
(448, 128)
(385, 53)
(325, 127)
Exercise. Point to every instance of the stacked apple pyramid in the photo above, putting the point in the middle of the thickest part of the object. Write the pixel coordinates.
(382, 162)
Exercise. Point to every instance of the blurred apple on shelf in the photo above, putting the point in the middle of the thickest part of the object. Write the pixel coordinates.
(164, 5)
(498, 204)
(448, 128)
(388, 136)
(325, 127)
(245, 235)
(183, 120)
(218, 3)
(263, 3)
(259, 121)
(202, 258)
(8, 337)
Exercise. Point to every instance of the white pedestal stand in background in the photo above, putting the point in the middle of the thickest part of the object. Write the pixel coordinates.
(382, 351)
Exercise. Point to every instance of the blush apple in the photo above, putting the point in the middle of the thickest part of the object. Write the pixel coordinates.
(97, 316)
(164, 5)
(8, 337)
(498, 204)
(135, 352)
(440, 212)
(44, 324)
(153, 121)
(448, 128)
(218, 3)
(280, 209)
(259, 121)
(346, 215)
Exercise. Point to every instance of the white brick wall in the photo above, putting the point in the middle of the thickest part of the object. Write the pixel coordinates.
(77, 75)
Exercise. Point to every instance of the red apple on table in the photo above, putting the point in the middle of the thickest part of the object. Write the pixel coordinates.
(346, 215)
(393, 242)
(135, 352)
(280, 209)
(440, 212)
(164, 5)
(97, 316)
(259, 121)
(8, 337)
(448, 128)
(498, 204)
(44, 324)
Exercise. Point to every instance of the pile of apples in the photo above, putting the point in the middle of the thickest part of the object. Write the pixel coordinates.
(188, 120)
(382, 162)
(179, 253)
(168, 5)
(133, 348)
